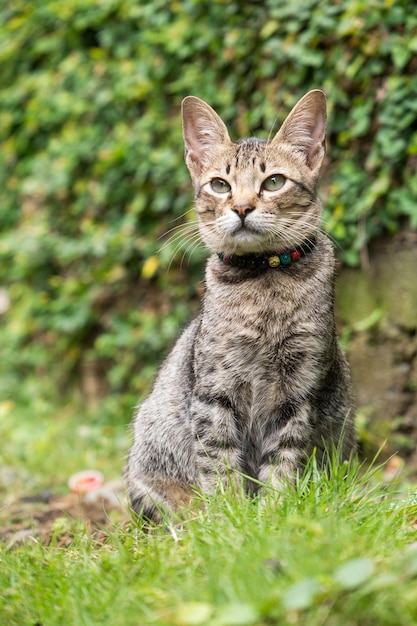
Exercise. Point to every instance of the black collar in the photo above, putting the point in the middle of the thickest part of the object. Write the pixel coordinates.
(263, 260)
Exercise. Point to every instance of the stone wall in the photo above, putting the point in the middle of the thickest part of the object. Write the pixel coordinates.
(378, 307)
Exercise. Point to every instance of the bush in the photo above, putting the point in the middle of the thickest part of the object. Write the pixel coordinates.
(92, 167)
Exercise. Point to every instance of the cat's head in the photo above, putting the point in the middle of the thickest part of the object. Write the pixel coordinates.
(255, 195)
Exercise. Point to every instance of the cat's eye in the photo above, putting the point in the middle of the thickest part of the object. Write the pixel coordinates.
(273, 183)
(220, 186)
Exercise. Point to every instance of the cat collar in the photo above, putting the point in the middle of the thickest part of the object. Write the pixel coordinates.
(282, 258)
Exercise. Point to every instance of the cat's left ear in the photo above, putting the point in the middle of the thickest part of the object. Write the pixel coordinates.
(204, 133)
(305, 129)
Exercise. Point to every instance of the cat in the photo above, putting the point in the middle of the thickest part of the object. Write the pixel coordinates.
(257, 382)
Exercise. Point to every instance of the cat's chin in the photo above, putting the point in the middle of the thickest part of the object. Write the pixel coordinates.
(244, 242)
(249, 245)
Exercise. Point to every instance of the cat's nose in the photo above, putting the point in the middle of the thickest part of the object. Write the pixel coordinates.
(243, 210)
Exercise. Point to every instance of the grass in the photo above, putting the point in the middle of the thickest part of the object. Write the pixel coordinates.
(42, 445)
(339, 550)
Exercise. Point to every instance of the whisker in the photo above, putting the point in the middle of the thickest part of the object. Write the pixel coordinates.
(192, 245)
(185, 238)
(180, 227)
(176, 244)
(181, 232)
(334, 241)
(175, 219)
(288, 232)
(190, 249)
(271, 130)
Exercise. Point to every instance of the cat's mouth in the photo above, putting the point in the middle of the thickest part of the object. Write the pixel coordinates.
(248, 238)
(246, 228)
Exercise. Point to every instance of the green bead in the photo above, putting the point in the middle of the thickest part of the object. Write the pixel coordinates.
(285, 258)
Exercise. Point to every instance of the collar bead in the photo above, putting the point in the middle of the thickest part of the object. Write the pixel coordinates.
(274, 259)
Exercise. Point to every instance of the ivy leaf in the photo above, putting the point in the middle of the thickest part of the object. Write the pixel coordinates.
(193, 613)
(237, 615)
(301, 595)
(354, 573)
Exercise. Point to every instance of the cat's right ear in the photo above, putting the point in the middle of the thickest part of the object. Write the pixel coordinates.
(204, 133)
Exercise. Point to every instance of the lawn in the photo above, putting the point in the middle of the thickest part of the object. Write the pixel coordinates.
(341, 549)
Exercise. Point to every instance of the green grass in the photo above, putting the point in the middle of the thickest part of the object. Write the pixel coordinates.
(339, 550)
(42, 444)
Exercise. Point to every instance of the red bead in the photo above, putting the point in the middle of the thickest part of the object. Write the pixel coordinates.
(295, 255)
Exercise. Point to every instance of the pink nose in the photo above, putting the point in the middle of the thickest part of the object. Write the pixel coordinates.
(243, 210)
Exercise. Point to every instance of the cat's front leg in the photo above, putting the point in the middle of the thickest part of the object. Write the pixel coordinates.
(159, 499)
(287, 444)
(218, 434)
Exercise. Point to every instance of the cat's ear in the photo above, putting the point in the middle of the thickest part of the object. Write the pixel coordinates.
(204, 133)
(305, 129)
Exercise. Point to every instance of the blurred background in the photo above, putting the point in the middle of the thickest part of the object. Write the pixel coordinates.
(93, 291)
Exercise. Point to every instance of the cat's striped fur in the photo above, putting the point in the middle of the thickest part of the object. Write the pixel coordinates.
(257, 381)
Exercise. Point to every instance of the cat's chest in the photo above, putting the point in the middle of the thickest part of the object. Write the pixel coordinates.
(247, 330)
(260, 341)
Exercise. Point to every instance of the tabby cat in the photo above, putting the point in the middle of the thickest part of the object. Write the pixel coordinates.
(257, 381)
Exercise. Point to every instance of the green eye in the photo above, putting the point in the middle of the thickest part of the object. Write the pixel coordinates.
(273, 183)
(220, 186)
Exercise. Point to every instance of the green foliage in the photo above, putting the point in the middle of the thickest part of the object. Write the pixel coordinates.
(92, 173)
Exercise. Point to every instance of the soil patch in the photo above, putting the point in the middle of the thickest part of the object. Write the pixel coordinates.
(57, 519)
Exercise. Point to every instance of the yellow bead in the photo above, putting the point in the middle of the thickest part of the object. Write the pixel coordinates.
(274, 261)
